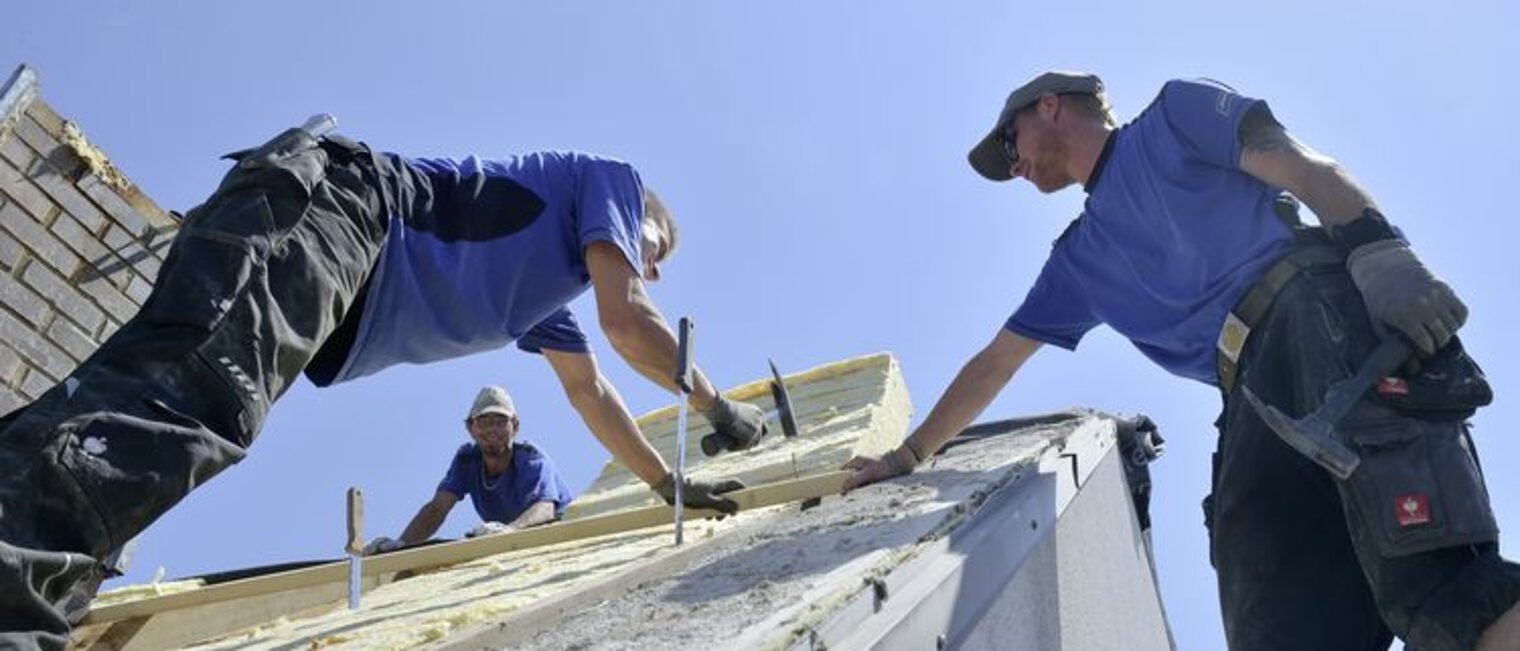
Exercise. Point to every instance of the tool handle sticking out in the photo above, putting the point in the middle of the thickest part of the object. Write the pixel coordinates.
(355, 521)
(683, 355)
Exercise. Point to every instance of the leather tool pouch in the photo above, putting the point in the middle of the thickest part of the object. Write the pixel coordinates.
(1418, 488)
(1449, 386)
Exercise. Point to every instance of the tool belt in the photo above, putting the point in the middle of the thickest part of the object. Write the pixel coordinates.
(1313, 250)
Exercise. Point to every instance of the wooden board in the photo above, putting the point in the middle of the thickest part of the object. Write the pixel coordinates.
(463, 550)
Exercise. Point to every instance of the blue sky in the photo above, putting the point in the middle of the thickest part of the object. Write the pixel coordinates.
(814, 155)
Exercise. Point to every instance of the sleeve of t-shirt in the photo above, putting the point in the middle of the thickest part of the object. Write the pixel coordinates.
(559, 331)
(1205, 115)
(456, 479)
(609, 205)
(1055, 311)
(545, 484)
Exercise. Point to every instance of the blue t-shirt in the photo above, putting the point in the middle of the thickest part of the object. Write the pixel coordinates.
(532, 478)
(492, 256)
(1172, 234)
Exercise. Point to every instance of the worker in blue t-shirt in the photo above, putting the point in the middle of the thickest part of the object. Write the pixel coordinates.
(511, 484)
(317, 254)
(1187, 246)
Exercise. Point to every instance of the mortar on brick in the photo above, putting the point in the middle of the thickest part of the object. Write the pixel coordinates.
(139, 289)
(15, 184)
(10, 400)
(23, 301)
(35, 384)
(68, 300)
(16, 151)
(39, 140)
(10, 366)
(37, 351)
(84, 242)
(11, 253)
(72, 201)
(115, 303)
(77, 344)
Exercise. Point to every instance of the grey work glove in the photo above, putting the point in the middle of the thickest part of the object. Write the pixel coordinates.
(489, 528)
(698, 494)
(736, 426)
(1403, 294)
(381, 545)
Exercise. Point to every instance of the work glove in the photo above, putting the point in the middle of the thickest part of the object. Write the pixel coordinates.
(869, 470)
(381, 545)
(1403, 294)
(698, 494)
(736, 426)
(489, 528)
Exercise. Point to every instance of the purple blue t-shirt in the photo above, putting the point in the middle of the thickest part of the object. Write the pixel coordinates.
(532, 478)
(1172, 234)
(490, 253)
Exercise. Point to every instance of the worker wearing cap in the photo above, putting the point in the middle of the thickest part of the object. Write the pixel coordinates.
(510, 482)
(1187, 247)
(317, 254)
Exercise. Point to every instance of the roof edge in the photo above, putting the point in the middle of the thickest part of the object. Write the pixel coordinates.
(15, 96)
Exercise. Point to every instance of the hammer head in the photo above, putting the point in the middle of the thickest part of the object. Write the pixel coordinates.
(1311, 436)
(783, 402)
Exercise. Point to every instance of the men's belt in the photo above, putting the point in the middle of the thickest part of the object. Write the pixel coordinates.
(1258, 301)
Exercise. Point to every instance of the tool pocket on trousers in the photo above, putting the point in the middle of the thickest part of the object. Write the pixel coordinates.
(1418, 487)
(216, 253)
(132, 469)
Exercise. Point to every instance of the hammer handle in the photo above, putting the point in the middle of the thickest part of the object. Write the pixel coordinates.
(683, 355)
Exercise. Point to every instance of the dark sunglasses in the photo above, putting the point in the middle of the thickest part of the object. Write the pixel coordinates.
(1009, 139)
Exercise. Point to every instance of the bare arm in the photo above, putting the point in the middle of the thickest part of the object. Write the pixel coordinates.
(602, 409)
(1269, 153)
(429, 518)
(978, 382)
(634, 325)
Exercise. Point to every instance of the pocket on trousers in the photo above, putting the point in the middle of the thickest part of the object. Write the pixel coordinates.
(1418, 487)
(133, 469)
(217, 252)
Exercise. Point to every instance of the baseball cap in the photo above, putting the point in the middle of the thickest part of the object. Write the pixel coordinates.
(492, 400)
(987, 156)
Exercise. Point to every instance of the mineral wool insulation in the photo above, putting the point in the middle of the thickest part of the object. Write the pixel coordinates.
(856, 406)
(781, 577)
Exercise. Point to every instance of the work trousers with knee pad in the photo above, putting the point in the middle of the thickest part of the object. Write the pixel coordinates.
(1406, 546)
(257, 278)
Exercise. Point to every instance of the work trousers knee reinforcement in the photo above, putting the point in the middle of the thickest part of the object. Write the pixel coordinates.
(256, 279)
(1406, 546)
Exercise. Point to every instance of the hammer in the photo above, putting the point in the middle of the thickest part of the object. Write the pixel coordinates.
(1313, 435)
(712, 444)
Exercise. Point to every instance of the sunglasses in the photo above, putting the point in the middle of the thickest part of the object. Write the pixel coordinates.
(1009, 139)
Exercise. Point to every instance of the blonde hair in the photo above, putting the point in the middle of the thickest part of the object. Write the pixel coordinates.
(1095, 106)
(656, 215)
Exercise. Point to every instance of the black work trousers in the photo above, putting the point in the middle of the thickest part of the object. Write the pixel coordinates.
(1406, 546)
(258, 277)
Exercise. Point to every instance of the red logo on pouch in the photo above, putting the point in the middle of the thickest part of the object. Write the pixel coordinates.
(1392, 386)
(1412, 509)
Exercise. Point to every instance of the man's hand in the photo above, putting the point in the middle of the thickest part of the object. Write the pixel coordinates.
(869, 470)
(736, 426)
(381, 545)
(697, 494)
(489, 528)
(1402, 293)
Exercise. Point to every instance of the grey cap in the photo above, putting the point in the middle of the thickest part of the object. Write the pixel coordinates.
(987, 156)
(492, 400)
